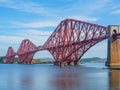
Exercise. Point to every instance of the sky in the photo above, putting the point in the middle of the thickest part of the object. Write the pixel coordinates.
(37, 19)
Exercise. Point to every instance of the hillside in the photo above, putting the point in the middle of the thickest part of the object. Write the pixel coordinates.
(93, 59)
(49, 60)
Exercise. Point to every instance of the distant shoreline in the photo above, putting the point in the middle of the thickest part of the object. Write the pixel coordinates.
(51, 61)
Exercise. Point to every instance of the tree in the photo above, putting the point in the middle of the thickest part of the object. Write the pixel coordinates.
(1, 59)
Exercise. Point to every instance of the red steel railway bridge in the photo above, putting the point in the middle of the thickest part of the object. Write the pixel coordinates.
(68, 43)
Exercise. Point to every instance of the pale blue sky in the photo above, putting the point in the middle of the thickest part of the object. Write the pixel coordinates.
(37, 19)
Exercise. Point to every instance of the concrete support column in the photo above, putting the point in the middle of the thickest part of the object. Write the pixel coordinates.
(63, 64)
(78, 63)
(72, 63)
(113, 47)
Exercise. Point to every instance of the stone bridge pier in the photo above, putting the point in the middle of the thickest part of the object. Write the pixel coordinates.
(113, 57)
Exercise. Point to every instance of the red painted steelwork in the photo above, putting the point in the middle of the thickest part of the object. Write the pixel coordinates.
(70, 40)
(10, 55)
(26, 51)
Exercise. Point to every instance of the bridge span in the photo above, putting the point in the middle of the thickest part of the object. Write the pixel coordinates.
(68, 43)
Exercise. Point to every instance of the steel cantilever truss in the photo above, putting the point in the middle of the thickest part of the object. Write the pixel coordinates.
(70, 40)
(10, 55)
(26, 51)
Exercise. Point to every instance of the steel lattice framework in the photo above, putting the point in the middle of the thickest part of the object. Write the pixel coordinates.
(10, 55)
(70, 40)
(26, 51)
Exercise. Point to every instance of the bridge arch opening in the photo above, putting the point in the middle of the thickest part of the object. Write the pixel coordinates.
(43, 56)
(16, 59)
(99, 50)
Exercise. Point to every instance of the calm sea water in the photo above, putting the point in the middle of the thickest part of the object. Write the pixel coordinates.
(89, 76)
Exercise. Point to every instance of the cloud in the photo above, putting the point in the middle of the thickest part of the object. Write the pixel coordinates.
(38, 37)
(116, 11)
(24, 6)
(77, 8)
(49, 23)
(88, 8)
(52, 16)
(115, 7)
(10, 39)
(36, 32)
(84, 10)
(84, 18)
(46, 23)
(98, 5)
(36, 24)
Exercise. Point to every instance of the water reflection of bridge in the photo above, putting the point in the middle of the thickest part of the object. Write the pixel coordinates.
(114, 80)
